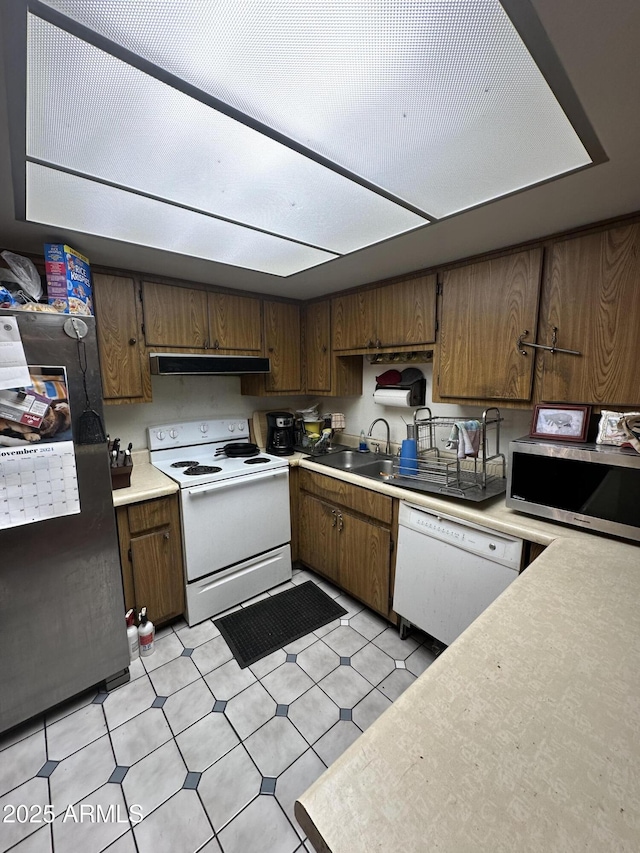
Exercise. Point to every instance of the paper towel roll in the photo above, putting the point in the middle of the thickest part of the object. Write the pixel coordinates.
(392, 397)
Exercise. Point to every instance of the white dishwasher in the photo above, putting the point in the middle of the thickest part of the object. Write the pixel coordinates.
(449, 571)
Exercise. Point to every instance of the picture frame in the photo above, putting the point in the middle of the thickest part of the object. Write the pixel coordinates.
(560, 423)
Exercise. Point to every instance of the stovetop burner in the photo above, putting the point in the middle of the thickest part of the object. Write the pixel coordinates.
(260, 460)
(188, 464)
(195, 470)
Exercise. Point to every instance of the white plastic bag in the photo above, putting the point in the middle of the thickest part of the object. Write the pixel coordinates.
(25, 274)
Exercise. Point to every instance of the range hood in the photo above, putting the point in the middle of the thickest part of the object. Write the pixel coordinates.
(186, 364)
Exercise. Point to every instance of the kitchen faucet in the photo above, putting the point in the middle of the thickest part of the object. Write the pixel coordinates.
(377, 444)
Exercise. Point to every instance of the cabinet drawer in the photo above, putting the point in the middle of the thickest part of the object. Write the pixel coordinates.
(148, 515)
(361, 500)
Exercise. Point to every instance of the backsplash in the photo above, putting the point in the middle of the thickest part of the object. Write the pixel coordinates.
(360, 412)
(187, 398)
(182, 398)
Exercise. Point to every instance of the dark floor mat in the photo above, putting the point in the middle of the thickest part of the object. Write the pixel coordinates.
(256, 631)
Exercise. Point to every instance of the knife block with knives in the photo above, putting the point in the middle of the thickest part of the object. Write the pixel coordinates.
(121, 464)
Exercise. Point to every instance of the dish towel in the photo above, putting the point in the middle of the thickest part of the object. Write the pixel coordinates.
(465, 438)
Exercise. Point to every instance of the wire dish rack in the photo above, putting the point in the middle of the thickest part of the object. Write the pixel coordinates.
(440, 469)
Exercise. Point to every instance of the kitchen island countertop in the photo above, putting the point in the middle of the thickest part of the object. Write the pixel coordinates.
(524, 733)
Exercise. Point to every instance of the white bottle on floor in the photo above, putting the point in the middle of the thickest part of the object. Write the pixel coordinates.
(146, 634)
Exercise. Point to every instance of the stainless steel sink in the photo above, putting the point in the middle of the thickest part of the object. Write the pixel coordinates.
(380, 467)
(345, 460)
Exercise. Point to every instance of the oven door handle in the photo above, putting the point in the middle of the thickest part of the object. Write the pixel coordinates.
(237, 481)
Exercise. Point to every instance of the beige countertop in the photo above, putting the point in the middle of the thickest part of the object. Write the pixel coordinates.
(146, 482)
(492, 513)
(524, 734)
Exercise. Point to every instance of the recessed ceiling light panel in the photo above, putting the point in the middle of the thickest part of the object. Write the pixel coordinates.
(96, 115)
(71, 202)
(438, 101)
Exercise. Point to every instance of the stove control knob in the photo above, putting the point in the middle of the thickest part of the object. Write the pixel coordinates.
(173, 433)
(231, 427)
(241, 427)
(204, 428)
(160, 435)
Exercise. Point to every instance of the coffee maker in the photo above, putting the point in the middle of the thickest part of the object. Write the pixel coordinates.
(280, 433)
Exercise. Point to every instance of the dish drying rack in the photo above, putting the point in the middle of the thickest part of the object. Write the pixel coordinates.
(442, 470)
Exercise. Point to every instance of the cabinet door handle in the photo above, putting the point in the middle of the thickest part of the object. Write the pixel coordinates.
(324, 348)
(216, 344)
(378, 343)
(340, 523)
(133, 341)
(334, 517)
(521, 343)
(166, 534)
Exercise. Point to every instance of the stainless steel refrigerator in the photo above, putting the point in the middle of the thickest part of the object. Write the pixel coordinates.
(62, 626)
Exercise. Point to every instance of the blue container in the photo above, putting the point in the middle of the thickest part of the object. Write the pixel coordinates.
(408, 457)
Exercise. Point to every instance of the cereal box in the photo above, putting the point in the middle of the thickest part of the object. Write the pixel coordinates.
(68, 279)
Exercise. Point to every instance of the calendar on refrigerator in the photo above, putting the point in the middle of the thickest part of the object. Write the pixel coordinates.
(38, 477)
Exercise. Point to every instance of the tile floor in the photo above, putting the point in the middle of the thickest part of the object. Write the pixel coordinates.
(211, 756)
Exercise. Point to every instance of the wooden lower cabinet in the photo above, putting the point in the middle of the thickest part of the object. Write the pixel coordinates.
(339, 539)
(532, 550)
(318, 543)
(365, 550)
(151, 557)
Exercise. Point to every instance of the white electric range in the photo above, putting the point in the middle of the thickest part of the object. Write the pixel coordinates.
(234, 508)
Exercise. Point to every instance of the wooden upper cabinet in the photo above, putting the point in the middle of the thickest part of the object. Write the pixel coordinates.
(485, 307)
(175, 316)
(592, 297)
(406, 312)
(354, 320)
(123, 361)
(401, 315)
(282, 346)
(317, 346)
(235, 323)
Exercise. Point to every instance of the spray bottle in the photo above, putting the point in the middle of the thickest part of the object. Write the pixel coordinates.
(146, 634)
(132, 635)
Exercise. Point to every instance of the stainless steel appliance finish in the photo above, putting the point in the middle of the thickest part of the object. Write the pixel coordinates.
(593, 486)
(236, 525)
(187, 364)
(61, 602)
(448, 571)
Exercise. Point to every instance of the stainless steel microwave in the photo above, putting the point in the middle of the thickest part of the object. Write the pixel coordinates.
(595, 486)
